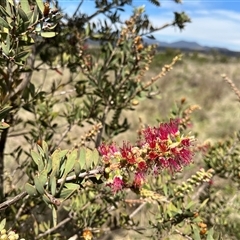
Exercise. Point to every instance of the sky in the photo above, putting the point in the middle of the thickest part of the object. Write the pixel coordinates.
(215, 23)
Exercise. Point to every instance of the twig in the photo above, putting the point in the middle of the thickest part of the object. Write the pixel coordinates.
(182, 234)
(54, 228)
(13, 200)
(70, 178)
(137, 210)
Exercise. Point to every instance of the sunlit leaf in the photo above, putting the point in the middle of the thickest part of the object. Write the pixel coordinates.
(48, 34)
(40, 5)
(82, 157)
(2, 224)
(25, 6)
(71, 161)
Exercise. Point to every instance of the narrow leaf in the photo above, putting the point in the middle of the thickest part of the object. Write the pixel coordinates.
(82, 158)
(31, 190)
(3, 23)
(4, 12)
(23, 15)
(36, 157)
(2, 224)
(71, 161)
(95, 157)
(25, 6)
(40, 5)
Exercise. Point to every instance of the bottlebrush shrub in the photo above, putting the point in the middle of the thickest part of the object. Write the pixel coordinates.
(160, 148)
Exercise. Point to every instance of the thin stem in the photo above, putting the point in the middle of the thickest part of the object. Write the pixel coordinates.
(20, 196)
(66, 220)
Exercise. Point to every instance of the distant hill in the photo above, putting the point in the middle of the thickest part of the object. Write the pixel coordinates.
(186, 46)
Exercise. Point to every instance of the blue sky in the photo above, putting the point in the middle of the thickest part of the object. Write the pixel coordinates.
(214, 22)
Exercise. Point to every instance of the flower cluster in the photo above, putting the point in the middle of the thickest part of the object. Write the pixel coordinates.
(160, 148)
(11, 235)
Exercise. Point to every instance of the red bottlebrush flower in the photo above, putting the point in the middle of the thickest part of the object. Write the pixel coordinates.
(150, 136)
(152, 155)
(186, 142)
(139, 179)
(117, 184)
(127, 153)
(107, 151)
(142, 166)
(163, 146)
(163, 131)
(185, 156)
(173, 126)
(174, 165)
(163, 162)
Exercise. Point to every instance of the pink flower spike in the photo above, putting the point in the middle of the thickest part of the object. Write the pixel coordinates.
(103, 149)
(150, 136)
(186, 142)
(142, 166)
(138, 179)
(174, 165)
(185, 156)
(117, 184)
(107, 151)
(173, 126)
(163, 131)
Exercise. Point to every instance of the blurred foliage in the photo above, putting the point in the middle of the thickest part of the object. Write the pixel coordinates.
(57, 185)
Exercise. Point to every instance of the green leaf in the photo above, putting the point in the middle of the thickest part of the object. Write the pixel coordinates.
(40, 5)
(88, 29)
(48, 34)
(89, 159)
(45, 148)
(53, 183)
(190, 204)
(203, 203)
(77, 168)
(196, 235)
(31, 190)
(22, 56)
(39, 184)
(4, 12)
(67, 193)
(6, 47)
(36, 157)
(71, 161)
(40, 150)
(3, 23)
(25, 6)
(4, 111)
(210, 234)
(23, 15)
(82, 158)
(35, 15)
(95, 157)
(72, 186)
(2, 224)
